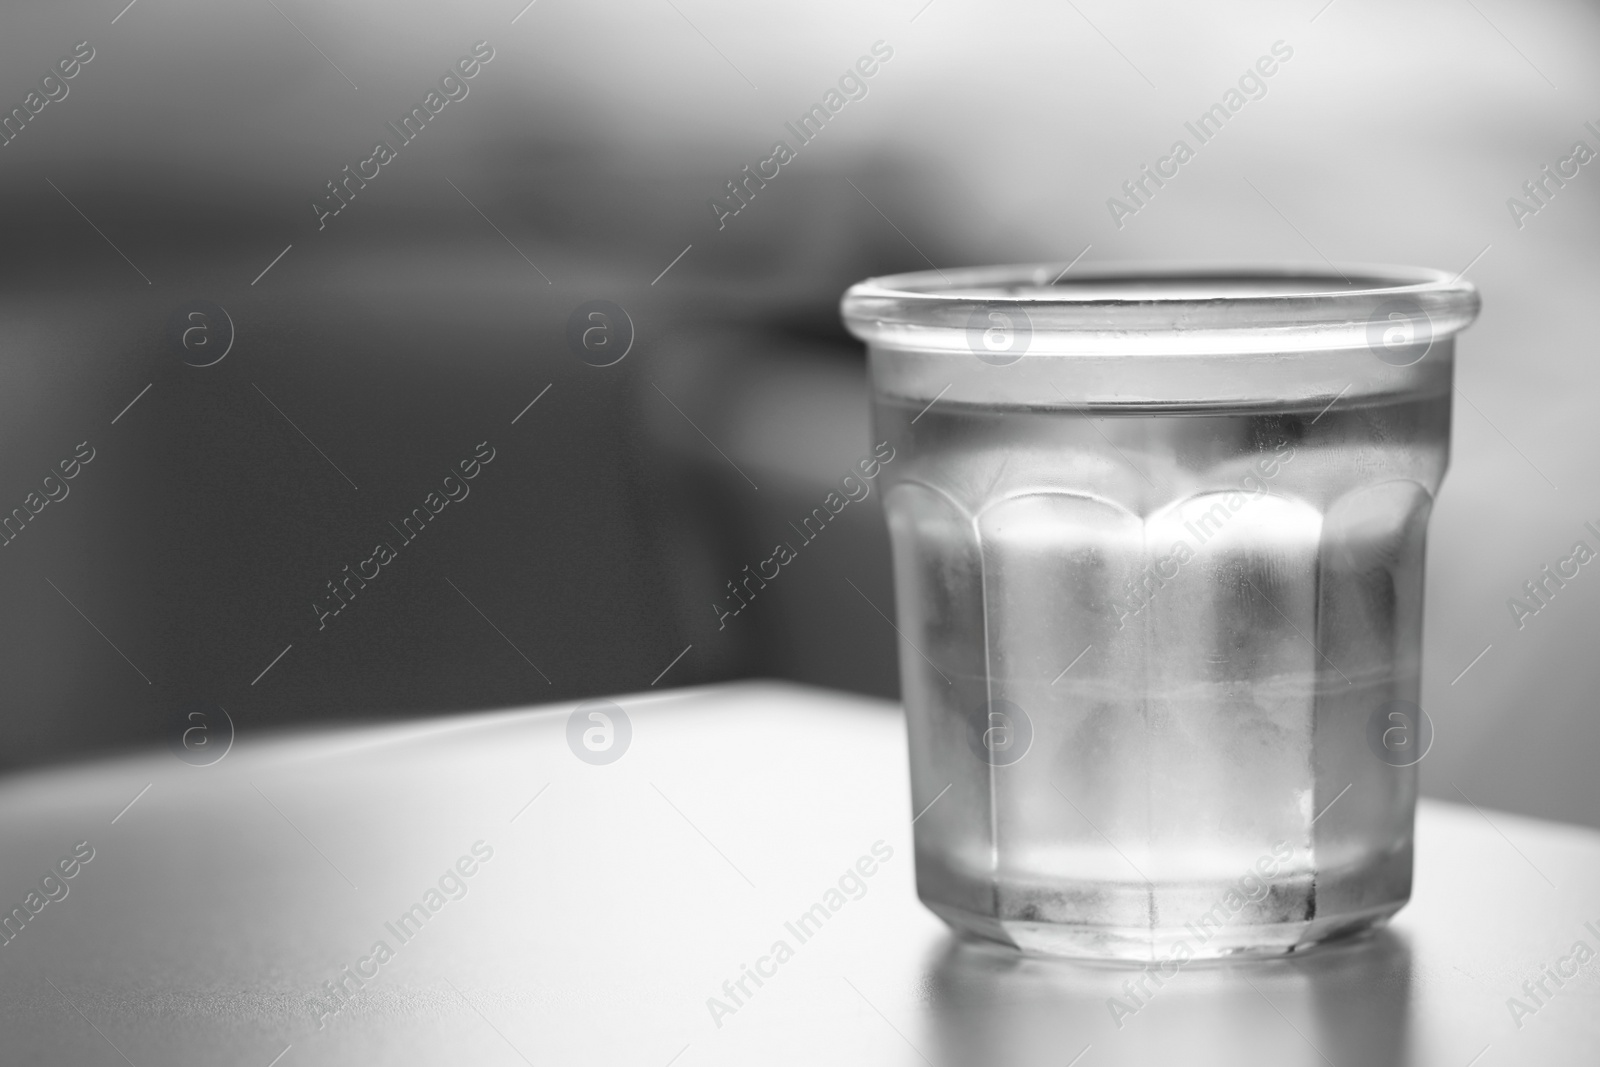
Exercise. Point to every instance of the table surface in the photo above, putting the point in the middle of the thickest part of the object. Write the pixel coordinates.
(615, 900)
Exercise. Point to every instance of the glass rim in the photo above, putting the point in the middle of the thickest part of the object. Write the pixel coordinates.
(1119, 309)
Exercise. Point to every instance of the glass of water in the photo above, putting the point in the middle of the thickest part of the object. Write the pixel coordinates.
(1158, 550)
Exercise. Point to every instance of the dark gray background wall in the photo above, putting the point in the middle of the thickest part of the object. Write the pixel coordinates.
(380, 350)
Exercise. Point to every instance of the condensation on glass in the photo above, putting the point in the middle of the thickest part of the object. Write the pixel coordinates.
(1158, 551)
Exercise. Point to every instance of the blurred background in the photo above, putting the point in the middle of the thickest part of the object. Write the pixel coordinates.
(369, 356)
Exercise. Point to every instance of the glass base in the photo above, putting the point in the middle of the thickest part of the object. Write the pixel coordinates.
(1173, 946)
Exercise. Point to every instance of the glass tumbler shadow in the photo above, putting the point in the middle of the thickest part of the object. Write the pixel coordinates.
(1158, 557)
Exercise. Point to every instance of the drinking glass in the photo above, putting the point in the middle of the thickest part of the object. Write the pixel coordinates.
(1158, 560)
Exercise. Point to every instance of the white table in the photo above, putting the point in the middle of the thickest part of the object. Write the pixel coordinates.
(623, 897)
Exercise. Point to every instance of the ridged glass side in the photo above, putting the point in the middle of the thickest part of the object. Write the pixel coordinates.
(1192, 617)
